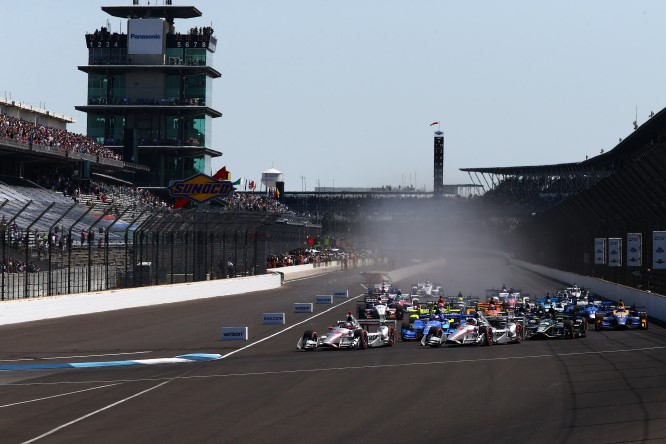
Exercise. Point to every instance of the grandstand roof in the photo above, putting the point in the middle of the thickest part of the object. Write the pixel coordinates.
(628, 150)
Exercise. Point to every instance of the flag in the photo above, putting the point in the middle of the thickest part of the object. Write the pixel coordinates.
(434, 123)
(237, 182)
(252, 185)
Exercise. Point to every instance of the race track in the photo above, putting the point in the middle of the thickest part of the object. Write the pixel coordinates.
(606, 388)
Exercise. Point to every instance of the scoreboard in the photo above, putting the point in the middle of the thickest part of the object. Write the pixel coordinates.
(185, 41)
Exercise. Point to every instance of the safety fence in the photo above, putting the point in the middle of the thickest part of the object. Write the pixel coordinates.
(58, 254)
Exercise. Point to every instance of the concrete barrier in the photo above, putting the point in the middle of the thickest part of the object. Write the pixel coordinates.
(26, 310)
(305, 270)
(654, 304)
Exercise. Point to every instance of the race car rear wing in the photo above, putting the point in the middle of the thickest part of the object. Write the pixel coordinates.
(367, 323)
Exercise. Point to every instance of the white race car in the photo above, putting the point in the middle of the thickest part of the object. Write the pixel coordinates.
(351, 334)
(480, 330)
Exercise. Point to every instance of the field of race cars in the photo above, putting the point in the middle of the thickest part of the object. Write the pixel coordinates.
(502, 316)
(349, 370)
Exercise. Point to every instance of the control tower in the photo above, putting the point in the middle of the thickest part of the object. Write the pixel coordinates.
(150, 91)
(439, 164)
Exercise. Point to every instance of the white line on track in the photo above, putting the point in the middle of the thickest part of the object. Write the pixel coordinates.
(356, 367)
(81, 418)
(75, 356)
(456, 361)
(61, 394)
(291, 326)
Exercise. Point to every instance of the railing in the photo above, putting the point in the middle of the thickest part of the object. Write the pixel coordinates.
(139, 247)
(69, 154)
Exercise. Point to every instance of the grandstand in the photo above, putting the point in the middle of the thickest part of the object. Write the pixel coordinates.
(56, 186)
(561, 209)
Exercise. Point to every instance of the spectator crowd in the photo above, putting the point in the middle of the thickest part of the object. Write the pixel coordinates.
(28, 132)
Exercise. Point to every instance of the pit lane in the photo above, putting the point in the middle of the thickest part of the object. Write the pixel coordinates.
(607, 387)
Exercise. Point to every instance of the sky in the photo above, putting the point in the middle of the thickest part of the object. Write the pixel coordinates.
(343, 93)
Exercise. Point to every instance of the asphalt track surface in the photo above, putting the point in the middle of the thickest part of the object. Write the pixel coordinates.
(606, 388)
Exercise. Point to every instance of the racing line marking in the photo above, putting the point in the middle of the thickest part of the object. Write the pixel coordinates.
(291, 326)
(75, 356)
(177, 359)
(61, 394)
(356, 367)
(88, 415)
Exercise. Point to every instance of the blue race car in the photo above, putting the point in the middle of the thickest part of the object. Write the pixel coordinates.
(621, 318)
(439, 327)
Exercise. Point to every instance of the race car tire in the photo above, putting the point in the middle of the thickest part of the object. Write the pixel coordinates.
(437, 334)
(597, 323)
(399, 313)
(360, 312)
(584, 329)
(363, 344)
(309, 335)
(487, 333)
(569, 329)
(405, 326)
(519, 333)
(391, 337)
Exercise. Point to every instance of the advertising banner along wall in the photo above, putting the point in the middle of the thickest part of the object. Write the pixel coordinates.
(615, 252)
(659, 249)
(634, 249)
(599, 250)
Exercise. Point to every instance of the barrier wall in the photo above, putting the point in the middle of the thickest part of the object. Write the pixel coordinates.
(654, 304)
(300, 271)
(26, 310)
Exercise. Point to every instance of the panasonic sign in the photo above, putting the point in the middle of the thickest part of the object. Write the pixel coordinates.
(273, 318)
(145, 36)
(234, 334)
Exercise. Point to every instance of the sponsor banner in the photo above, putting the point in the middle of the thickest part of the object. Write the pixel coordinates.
(324, 299)
(200, 188)
(303, 307)
(145, 36)
(615, 252)
(273, 318)
(634, 249)
(234, 334)
(659, 249)
(599, 250)
(340, 293)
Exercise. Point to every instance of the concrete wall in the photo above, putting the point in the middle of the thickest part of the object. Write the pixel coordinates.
(655, 304)
(26, 310)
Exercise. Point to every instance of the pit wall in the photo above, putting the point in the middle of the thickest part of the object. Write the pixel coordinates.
(654, 304)
(305, 270)
(26, 310)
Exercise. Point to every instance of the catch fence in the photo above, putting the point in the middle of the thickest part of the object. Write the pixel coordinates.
(63, 249)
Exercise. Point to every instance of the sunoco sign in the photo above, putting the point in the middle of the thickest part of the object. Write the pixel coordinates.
(200, 188)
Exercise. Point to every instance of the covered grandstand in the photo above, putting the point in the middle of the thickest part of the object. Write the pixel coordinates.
(561, 209)
(69, 223)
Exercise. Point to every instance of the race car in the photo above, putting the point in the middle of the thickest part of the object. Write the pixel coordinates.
(370, 308)
(620, 318)
(507, 329)
(350, 334)
(412, 329)
(380, 333)
(438, 328)
(474, 329)
(560, 326)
